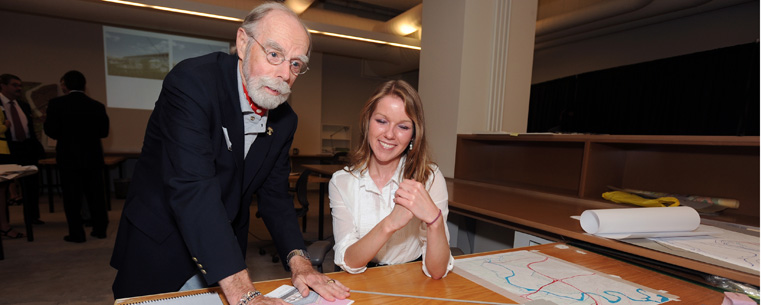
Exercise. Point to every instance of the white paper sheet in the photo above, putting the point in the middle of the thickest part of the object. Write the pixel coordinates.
(641, 222)
(739, 249)
(525, 276)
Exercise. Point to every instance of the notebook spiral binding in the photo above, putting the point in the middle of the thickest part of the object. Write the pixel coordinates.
(199, 298)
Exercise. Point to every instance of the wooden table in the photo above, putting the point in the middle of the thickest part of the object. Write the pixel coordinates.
(549, 216)
(324, 170)
(49, 165)
(406, 283)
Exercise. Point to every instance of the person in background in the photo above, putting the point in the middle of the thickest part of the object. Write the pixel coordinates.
(78, 123)
(220, 132)
(22, 141)
(389, 205)
(5, 158)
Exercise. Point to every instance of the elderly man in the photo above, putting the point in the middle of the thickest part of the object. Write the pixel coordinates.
(219, 133)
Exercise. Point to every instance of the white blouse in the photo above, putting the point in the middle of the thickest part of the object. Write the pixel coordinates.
(358, 205)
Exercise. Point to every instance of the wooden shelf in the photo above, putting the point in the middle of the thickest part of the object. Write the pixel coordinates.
(583, 166)
(336, 138)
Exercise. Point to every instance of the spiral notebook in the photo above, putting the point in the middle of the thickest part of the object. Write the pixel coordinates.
(206, 298)
(286, 292)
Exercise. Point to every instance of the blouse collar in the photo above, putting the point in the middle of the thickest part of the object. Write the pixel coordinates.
(367, 182)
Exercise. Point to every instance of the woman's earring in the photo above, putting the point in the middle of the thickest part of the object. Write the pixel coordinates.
(410, 145)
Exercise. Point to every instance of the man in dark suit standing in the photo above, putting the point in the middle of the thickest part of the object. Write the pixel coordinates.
(22, 141)
(220, 132)
(78, 122)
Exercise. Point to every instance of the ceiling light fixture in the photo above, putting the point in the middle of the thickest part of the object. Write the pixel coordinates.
(407, 29)
(207, 15)
(175, 10)
(400, 45)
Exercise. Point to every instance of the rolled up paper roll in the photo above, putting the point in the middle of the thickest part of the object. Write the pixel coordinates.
(641, 222)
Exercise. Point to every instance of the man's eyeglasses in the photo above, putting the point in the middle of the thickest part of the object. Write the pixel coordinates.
(276, 57)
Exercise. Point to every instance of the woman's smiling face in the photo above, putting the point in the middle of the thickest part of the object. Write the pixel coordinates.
(390, 129)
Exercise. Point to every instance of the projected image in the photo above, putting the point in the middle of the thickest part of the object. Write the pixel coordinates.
(136, 55)
(182, 50)
(138, 61)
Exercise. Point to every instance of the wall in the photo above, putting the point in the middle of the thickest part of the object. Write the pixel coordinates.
(346, 88)
(44, 48)
(345, 92)
(725, 27)
(306, 102)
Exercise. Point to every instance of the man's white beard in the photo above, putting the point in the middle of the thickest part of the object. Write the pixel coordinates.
(258, 92)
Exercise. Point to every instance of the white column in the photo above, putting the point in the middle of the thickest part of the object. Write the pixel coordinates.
(475, 69)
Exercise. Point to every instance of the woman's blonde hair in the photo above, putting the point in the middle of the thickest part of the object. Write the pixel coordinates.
(418, 163)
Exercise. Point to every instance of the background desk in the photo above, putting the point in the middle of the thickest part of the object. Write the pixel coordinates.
(409, 280)
(48, 165)
(326, 171)
(298, 160)
(28, 217)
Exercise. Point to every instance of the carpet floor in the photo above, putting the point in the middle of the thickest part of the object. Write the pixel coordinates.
(50, 271)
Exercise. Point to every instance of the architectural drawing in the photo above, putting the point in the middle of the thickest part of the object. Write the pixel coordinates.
(735, 248)
(526, 276)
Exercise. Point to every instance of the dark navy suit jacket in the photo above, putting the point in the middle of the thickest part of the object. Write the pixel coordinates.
(187, 209)
(77, 122)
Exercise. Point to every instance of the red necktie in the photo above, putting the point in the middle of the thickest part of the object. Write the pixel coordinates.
(18, 128)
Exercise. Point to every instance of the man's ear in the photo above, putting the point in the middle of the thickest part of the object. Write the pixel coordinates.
(240, 42)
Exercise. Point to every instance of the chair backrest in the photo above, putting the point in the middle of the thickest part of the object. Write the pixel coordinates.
(301, 191)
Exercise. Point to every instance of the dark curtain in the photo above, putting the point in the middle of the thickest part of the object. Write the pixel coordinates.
(707, 93)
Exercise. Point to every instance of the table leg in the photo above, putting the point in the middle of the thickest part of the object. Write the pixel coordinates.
(49, 175)
(28, 218)
(107, 182)
(321, 211)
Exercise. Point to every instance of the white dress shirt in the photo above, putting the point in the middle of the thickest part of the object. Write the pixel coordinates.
(358, 205)
(253, 124)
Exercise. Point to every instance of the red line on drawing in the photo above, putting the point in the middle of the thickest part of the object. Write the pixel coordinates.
(555, 280)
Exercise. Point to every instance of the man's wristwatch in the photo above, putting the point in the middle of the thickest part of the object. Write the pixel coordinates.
(295, 252)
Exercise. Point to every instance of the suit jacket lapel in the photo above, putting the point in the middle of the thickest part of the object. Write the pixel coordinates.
(232, 116)
(256, 155)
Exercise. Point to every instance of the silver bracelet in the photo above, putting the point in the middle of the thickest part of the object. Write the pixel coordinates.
(248, 297)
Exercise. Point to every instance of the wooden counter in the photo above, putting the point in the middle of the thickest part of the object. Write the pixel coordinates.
(549, 216)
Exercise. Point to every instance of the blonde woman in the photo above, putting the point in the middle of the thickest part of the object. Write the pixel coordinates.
(389, 205)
